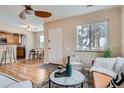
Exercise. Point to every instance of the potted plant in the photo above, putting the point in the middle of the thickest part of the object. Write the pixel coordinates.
(107, 53)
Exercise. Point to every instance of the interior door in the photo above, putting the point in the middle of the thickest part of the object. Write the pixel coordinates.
(55, 48)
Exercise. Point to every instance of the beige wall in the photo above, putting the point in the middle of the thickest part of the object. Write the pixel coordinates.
(69, 25)
(10, 29)
(122, 34)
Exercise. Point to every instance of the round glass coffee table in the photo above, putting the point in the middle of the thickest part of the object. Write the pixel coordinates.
(76, 79)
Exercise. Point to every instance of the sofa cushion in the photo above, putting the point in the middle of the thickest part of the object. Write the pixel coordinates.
(119, 66)
(107, 63)
(103, 70)
(117, 82)
(21, 84)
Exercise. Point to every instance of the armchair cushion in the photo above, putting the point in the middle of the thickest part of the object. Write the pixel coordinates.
(107, 63)
(104, 65)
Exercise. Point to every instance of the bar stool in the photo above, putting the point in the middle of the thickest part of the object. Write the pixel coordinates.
(33, 53)
(8, 53)
(41, 56)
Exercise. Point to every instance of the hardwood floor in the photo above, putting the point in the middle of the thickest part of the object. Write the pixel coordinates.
(26, 70)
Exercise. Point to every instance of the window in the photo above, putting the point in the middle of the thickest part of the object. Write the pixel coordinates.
(92, 36)
(41, 41)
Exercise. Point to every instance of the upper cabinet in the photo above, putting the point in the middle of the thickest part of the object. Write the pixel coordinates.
(3, 35)
(16, 38)
(12, 38)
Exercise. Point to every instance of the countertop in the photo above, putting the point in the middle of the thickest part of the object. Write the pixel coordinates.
(18, 45)
(8, 44)
(21, 46)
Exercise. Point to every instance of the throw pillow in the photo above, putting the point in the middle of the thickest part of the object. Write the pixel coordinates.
(117, 82)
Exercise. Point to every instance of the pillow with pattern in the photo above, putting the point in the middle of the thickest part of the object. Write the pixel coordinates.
(117, 82)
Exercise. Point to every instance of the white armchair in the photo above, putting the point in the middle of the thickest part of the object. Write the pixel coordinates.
(76, 62)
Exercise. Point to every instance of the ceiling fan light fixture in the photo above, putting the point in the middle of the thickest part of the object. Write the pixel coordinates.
(28, 27)
(23, 15)
(29, 12)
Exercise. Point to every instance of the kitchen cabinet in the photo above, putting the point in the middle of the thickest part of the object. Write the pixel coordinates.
(3, 35)
(11, 38)
(20, 52)
(14, 38)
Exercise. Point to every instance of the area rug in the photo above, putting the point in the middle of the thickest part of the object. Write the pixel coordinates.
(50, 67)
(87, 82)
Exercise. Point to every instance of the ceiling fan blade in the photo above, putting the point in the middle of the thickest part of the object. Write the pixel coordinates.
(42, 14)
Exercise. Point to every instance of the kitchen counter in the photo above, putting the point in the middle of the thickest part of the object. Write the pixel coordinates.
(8, 44)
(21, 46)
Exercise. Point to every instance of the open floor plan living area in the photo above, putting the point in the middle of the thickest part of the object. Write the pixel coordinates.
(61, 46)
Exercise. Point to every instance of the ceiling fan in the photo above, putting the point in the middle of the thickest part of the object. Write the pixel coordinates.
(29, 11)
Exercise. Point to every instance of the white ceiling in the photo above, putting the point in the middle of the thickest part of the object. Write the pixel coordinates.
(9, 14)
